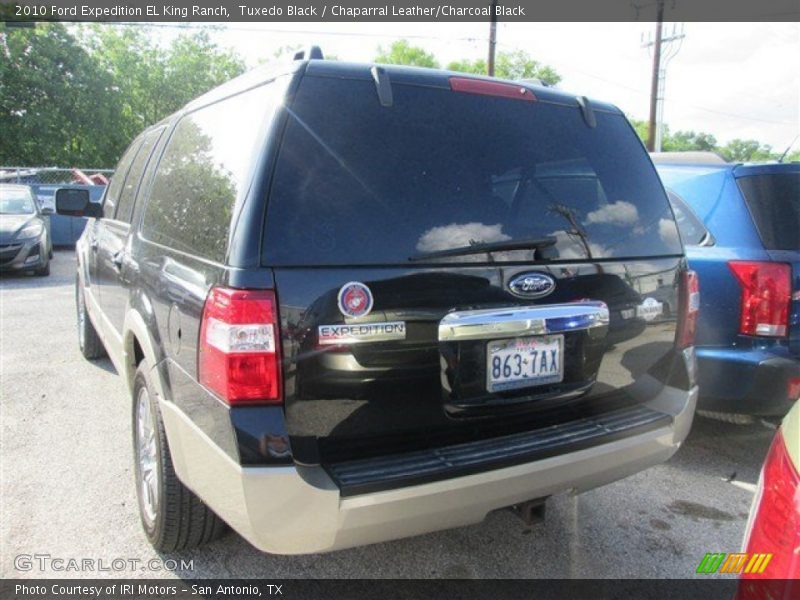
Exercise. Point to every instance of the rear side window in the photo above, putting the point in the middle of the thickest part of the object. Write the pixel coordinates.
(359, 183)
(128, 193)
(118, 180)
(693, 232)
(774, 202)
(203, 171)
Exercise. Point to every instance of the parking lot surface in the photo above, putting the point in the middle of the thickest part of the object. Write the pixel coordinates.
(67, 484)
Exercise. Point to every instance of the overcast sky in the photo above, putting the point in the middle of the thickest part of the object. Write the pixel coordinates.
(729, 79)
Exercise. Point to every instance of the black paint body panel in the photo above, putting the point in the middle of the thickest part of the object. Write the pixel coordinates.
(379, 398)
(344, 402)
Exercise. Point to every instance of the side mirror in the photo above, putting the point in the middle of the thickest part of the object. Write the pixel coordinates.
(72, 202)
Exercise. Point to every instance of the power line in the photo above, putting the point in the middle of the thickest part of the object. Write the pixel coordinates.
(568, 67)
(473, 40)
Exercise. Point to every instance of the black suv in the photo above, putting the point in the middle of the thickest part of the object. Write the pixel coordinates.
(354, 303)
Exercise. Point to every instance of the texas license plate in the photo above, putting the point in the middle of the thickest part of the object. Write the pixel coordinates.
(524, 362)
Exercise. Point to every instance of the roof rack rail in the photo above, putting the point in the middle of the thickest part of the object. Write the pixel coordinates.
(312, 52)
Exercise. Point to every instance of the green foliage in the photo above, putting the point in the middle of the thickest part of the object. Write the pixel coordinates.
(150, 83)
(734, 151)
(80, 100)
(403, 53)
(509, 65)
(746, 150)
(78, 96)
(518, 65)
(53, 100)
(640, 127)
(475, 67)
(792, 157)
(682, 141)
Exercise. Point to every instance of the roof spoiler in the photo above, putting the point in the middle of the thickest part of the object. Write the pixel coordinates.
(587, 111)
(312, 52)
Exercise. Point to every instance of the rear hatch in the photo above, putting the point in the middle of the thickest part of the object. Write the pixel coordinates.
(457, 266)
(772, 195)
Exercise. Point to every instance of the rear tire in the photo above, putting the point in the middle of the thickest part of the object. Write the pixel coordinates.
(732, 418)
(173, 517)
(89, 342)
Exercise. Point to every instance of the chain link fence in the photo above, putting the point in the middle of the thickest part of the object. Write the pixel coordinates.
(44, 181)
(55, 175)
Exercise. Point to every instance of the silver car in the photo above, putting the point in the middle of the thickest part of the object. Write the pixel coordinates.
(25, 243)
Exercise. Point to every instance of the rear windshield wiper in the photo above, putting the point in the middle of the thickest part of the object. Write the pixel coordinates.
(506, 245)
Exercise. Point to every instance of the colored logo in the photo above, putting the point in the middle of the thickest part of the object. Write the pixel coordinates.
(532, 285)
(355, 299)
(741, 562)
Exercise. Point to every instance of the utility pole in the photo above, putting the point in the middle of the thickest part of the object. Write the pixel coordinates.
(663, 52)
(492, 39)
(651, 129)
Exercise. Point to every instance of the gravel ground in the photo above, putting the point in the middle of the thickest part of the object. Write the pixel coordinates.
(67, 483)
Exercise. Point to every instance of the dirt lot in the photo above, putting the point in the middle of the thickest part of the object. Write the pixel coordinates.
(67, 483)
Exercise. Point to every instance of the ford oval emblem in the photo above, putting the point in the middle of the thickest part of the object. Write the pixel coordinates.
(532, 285)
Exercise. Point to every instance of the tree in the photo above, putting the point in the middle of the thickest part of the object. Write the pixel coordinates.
(640, 127)
(682, 141)
(510, 65)
(150, 83)
(792, 157)
(54, 104)
(745, 150)
(79, 96)
(403, 53)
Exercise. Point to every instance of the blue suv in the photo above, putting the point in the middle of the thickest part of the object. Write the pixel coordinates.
(740, 224)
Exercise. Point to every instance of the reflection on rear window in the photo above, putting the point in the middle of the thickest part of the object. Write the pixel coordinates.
(359, 183)
(774, 202)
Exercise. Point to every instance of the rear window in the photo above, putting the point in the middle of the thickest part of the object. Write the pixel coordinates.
(774, 202)
(359, 183)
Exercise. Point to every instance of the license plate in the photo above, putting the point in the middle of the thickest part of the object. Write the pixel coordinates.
(524, 362)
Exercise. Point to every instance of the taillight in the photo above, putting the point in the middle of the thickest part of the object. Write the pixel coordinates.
(793, 388)
(468, 85)
(766, 294)
(775, 519)
(238, 357)
(689, 310)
